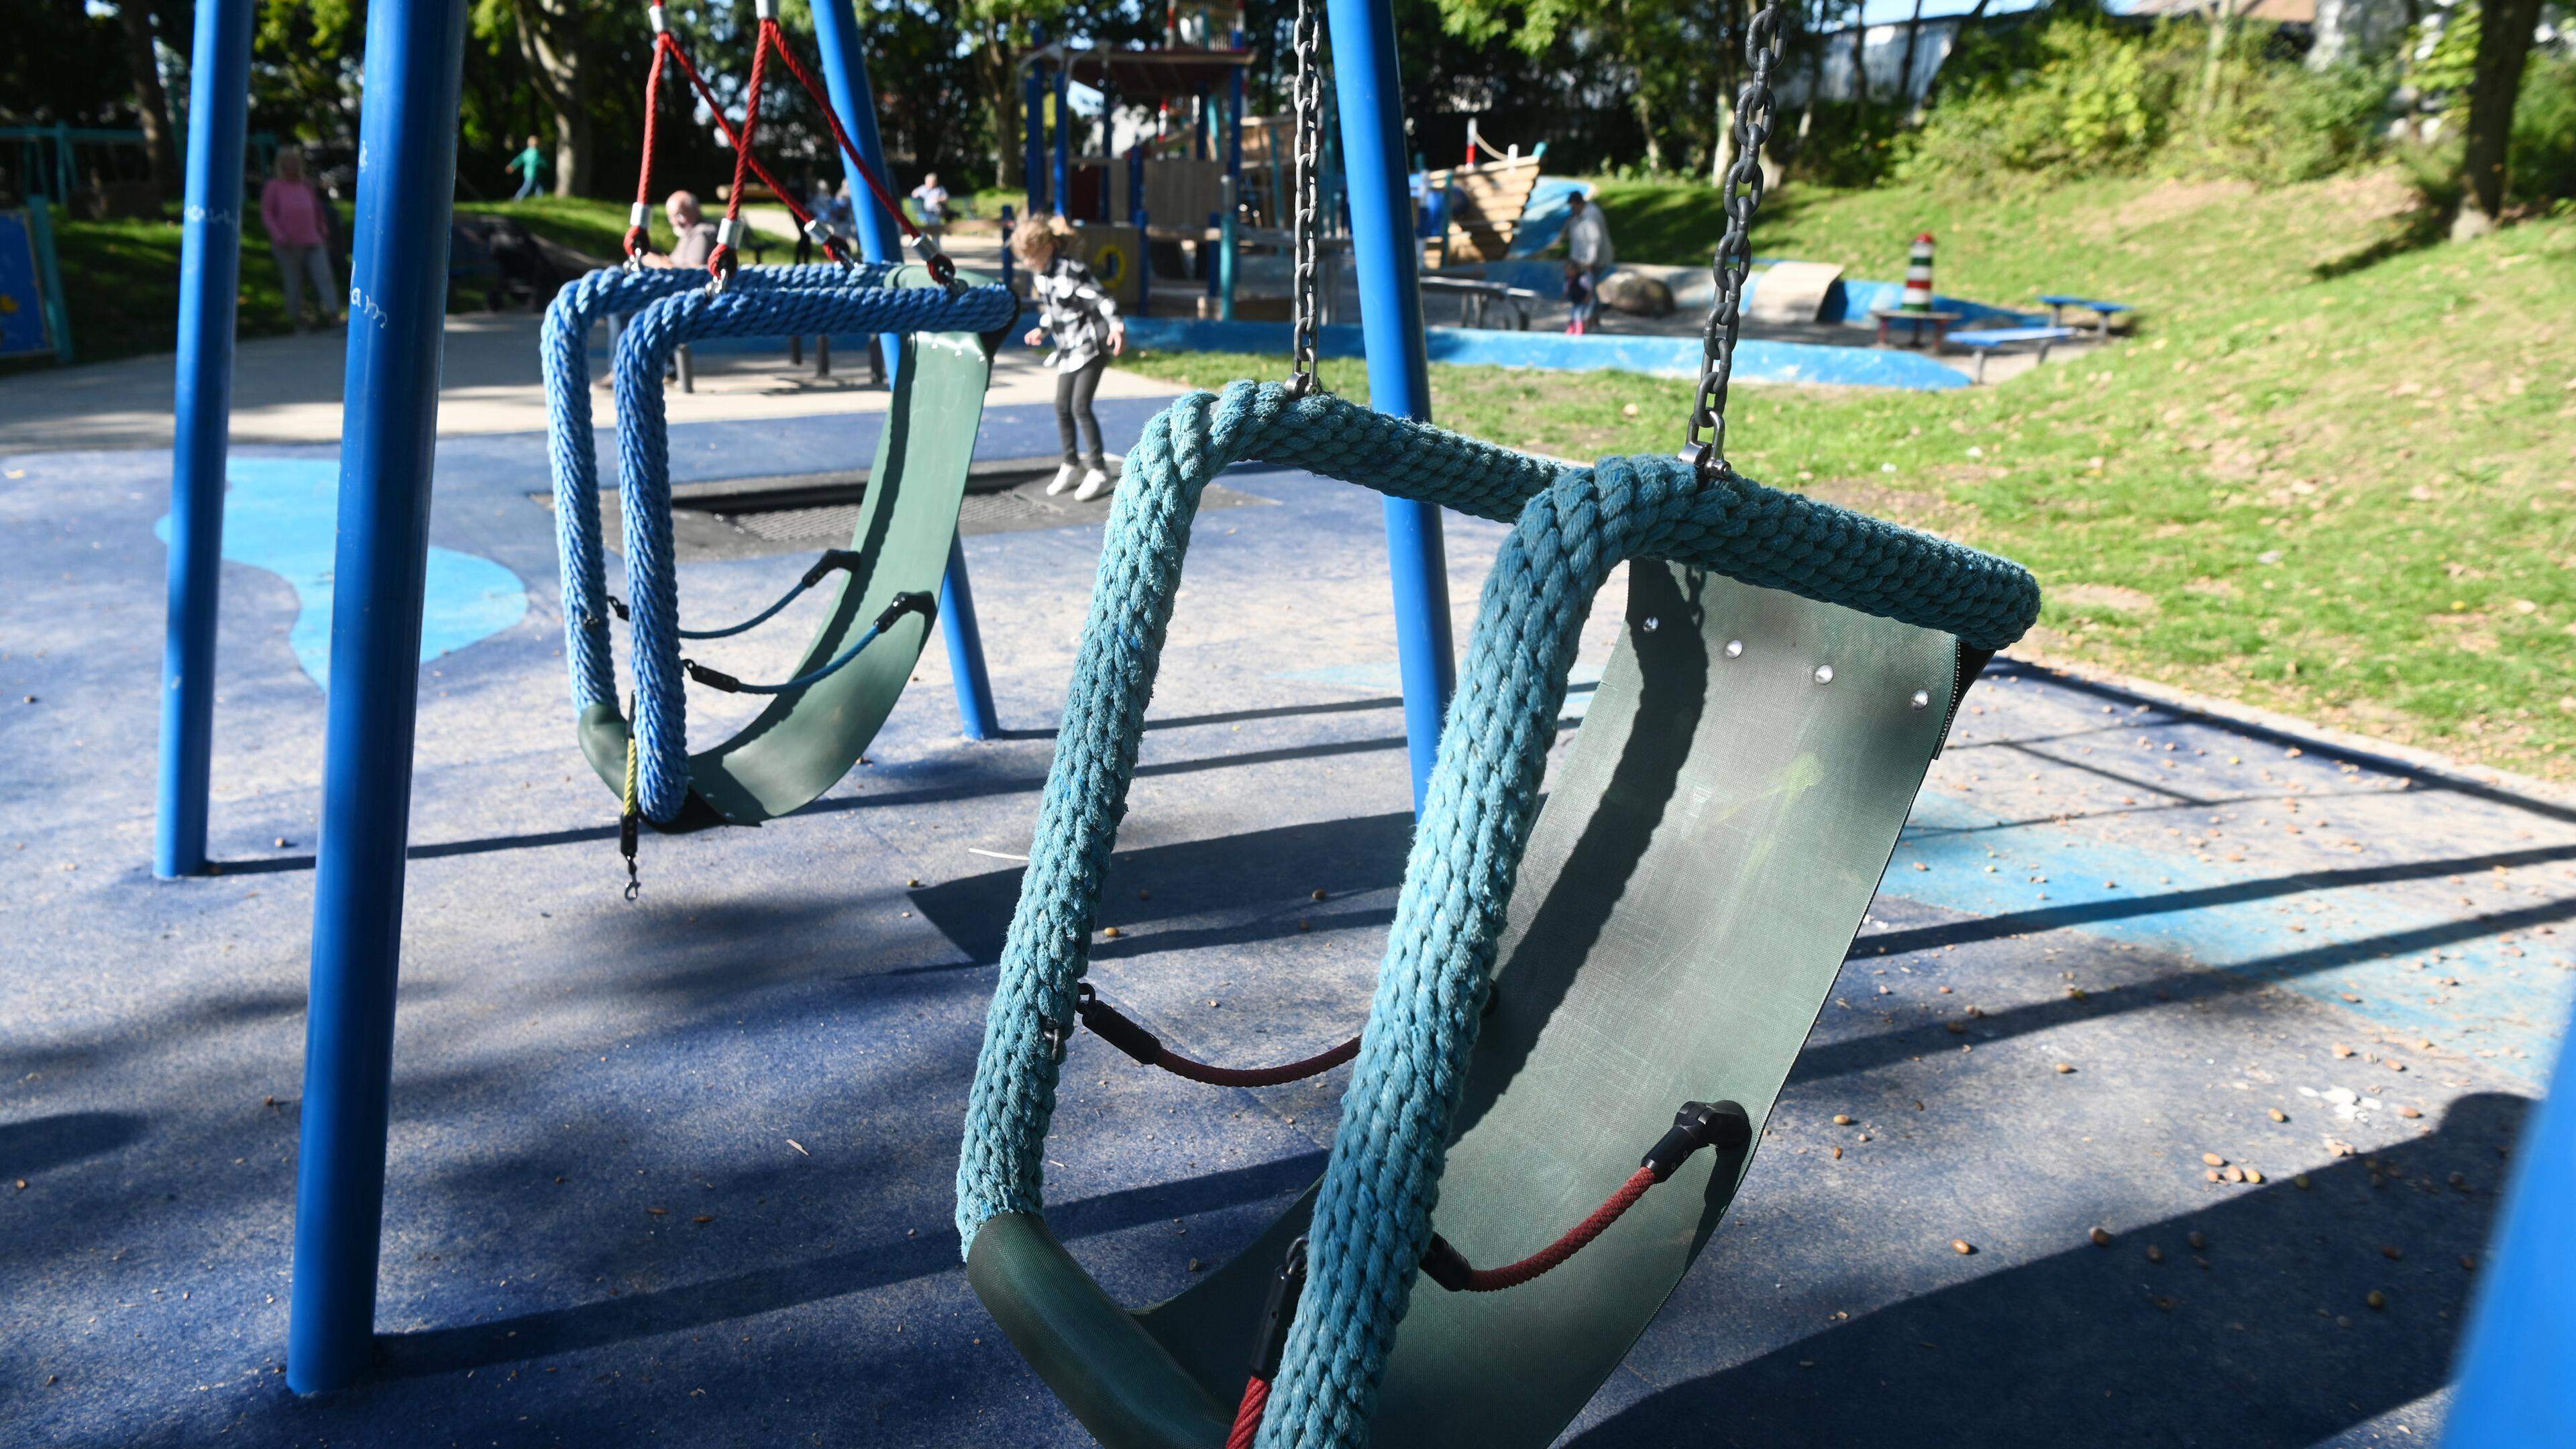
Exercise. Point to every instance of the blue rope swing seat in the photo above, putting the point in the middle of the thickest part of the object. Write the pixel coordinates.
(875, 623)
(1683, 903)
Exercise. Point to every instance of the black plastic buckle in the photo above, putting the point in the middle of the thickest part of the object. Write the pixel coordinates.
(711, 678)
(1446, 1266)
(1699, 1124)
(833, 558)
(1112, 1026)
(913, 602)
(1287, 1286)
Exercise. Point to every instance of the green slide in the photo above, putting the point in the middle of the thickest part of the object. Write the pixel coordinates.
(1714, 837)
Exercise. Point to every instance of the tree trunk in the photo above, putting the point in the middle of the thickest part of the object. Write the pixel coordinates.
(1905, 72)
(550, 39)
(1860, 71)
(1646, 123)
(1002, 99)
(151, 100)
(2222, 15)
(2505, 32)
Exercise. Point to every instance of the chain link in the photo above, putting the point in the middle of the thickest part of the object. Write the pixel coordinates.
(1743, 192)
(1308, 97)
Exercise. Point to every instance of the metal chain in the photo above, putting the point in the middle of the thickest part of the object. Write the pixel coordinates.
(1308, 97)
(1743, 193)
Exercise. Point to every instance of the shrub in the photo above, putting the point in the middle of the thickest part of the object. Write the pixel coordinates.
(2541, 167)
(2079, 98)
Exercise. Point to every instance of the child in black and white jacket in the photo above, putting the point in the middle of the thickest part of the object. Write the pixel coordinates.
(1079, 317)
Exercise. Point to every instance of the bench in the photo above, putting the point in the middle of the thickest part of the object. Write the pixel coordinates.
(2102, 311)
(1986, 343)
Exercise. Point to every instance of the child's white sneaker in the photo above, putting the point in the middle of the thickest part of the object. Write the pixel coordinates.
(1064, 478)
(1094, 484)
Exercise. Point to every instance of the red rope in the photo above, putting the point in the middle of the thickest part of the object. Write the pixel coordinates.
(1181, 1066)
(849, 148)
(742, 162)
(831, 245)
(1513, 1275)
(638, 233)
(1247, 1416)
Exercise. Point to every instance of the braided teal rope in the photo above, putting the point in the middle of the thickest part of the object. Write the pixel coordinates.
(644, 466)
(1734, 526)
(572, 450)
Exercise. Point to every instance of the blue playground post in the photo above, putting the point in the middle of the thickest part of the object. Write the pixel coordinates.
(1033, 136)
(1136, 181)
(389, 431)
(845, 75)
(2514, 1386)
(209, 277)
(1382, 247)
(1063, 139)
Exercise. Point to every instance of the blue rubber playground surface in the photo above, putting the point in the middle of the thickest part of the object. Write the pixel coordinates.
(2266, 1011)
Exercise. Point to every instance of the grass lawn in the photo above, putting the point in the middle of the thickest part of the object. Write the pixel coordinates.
(123, 276)
(2333, 474)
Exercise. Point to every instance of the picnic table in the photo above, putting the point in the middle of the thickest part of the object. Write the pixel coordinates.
(1939, 322)
(2102, 311)
(1476, 297)
(1991, 340)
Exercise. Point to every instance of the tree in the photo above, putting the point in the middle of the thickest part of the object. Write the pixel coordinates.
(151, 100)
(552, 40)
(1905, 72)
(2505, 32)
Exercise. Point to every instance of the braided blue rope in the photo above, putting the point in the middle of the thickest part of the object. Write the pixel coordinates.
(644, 466)
(564, 356)
(1574, 525)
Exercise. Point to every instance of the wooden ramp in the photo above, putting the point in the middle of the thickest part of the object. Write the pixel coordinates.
(1485, 205)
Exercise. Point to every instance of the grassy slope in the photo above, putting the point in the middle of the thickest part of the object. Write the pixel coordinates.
(123, 276)
(2388, 426)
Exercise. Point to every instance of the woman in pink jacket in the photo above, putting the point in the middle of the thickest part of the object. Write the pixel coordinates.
(291, 206)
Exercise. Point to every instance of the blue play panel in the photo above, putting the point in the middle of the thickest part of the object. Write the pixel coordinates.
(681, 1170)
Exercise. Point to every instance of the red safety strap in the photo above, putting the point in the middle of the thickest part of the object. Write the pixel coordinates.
(1122, 1032)
(1247, 1415)
(1463, 1279)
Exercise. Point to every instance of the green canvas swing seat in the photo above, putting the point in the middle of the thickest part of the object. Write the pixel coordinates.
(875, 621)
(1786, 674)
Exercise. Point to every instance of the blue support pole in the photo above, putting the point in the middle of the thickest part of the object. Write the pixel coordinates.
(209, 281)
(975, 713)
(2514, 1385)
(845, 75)
(1136, 181)
(1387, 261)
(1063, 141)
(389, 431)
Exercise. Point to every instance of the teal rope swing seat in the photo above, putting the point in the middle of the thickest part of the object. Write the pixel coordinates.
(875, 622)
(1787, 672)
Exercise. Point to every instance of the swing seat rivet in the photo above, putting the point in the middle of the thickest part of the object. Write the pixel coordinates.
(1922, 699)
(1652, 624)
(1734, 648)
(1824, 674)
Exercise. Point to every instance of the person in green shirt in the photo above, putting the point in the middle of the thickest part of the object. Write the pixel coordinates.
(529, 163)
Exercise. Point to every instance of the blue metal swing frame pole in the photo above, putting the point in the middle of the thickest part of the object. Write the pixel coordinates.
(1387, 263)
(389, 432)
(209, 277)
(845, 75)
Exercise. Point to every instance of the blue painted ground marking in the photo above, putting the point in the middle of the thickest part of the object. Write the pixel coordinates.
(2301, 931)
(280, 514)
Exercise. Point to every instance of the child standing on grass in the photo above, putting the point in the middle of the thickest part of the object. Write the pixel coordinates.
(1081, 320)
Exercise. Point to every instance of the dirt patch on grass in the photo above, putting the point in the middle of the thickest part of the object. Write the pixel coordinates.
(2170, 200)
(2109, 598)
(1931, 512)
